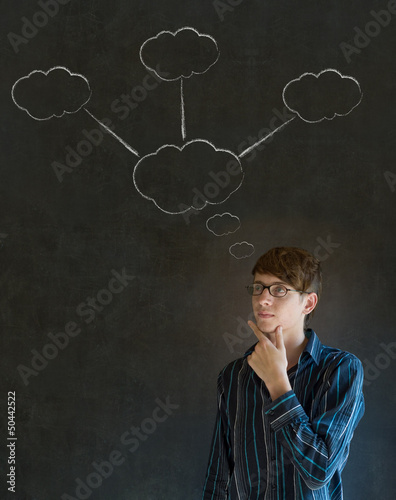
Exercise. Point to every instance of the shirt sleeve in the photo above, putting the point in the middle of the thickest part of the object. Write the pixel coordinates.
(219, 466)
(318, 447)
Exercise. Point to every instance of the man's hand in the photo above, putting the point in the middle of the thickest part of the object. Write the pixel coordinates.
(269, 361)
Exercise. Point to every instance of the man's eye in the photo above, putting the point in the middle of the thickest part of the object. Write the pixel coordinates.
(279, 289)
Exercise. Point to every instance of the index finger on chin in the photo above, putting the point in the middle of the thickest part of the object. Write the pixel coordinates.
(260, 335)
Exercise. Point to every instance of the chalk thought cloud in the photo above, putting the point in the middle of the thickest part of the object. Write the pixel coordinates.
(53, 93)
(180, 54)
(223, 224)
(242, 250)
(323, 96)
(179, 179)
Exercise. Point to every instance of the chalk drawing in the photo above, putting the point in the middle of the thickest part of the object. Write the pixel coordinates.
(223, 224)
(170, 46)
(188, 177)
(179, 55)
(319, 94)
(242, 250)
(177, 179)
(127, 146)
(250, 148)
(182, 111)
(46, 90)
(38, 84)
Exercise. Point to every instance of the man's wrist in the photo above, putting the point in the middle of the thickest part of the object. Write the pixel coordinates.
(279, 387)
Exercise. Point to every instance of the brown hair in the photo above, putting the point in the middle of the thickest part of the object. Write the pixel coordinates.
(294, 266)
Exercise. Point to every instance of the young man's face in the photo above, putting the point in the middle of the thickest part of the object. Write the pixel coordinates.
(288, 311)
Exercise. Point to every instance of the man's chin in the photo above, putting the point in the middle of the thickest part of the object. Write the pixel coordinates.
(270, 336)
(268, 330)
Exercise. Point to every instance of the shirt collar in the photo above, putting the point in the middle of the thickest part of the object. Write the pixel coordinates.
(313, 347)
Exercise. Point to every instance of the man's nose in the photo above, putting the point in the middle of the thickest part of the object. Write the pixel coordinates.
(265, 297)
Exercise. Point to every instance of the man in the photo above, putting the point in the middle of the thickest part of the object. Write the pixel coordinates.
(288, 408)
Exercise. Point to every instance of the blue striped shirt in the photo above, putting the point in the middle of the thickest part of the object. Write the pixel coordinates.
(294, 447)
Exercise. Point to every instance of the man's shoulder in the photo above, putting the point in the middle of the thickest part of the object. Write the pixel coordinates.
(334, 356)
(328, 350)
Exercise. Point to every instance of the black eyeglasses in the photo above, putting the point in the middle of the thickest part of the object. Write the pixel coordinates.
(274, 290)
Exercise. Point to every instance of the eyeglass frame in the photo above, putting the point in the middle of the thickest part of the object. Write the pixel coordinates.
(269, 290)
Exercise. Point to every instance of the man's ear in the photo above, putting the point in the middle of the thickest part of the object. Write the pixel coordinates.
(310, 304)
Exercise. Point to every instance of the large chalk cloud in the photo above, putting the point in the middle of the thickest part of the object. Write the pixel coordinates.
(178, 179)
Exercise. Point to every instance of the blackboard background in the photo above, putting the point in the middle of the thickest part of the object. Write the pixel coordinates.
(163, 336)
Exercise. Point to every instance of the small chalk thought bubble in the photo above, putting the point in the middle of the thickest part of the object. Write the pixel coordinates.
(241, 250)
(223, 224)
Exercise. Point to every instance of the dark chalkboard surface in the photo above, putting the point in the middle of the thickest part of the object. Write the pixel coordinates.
(152, 151)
